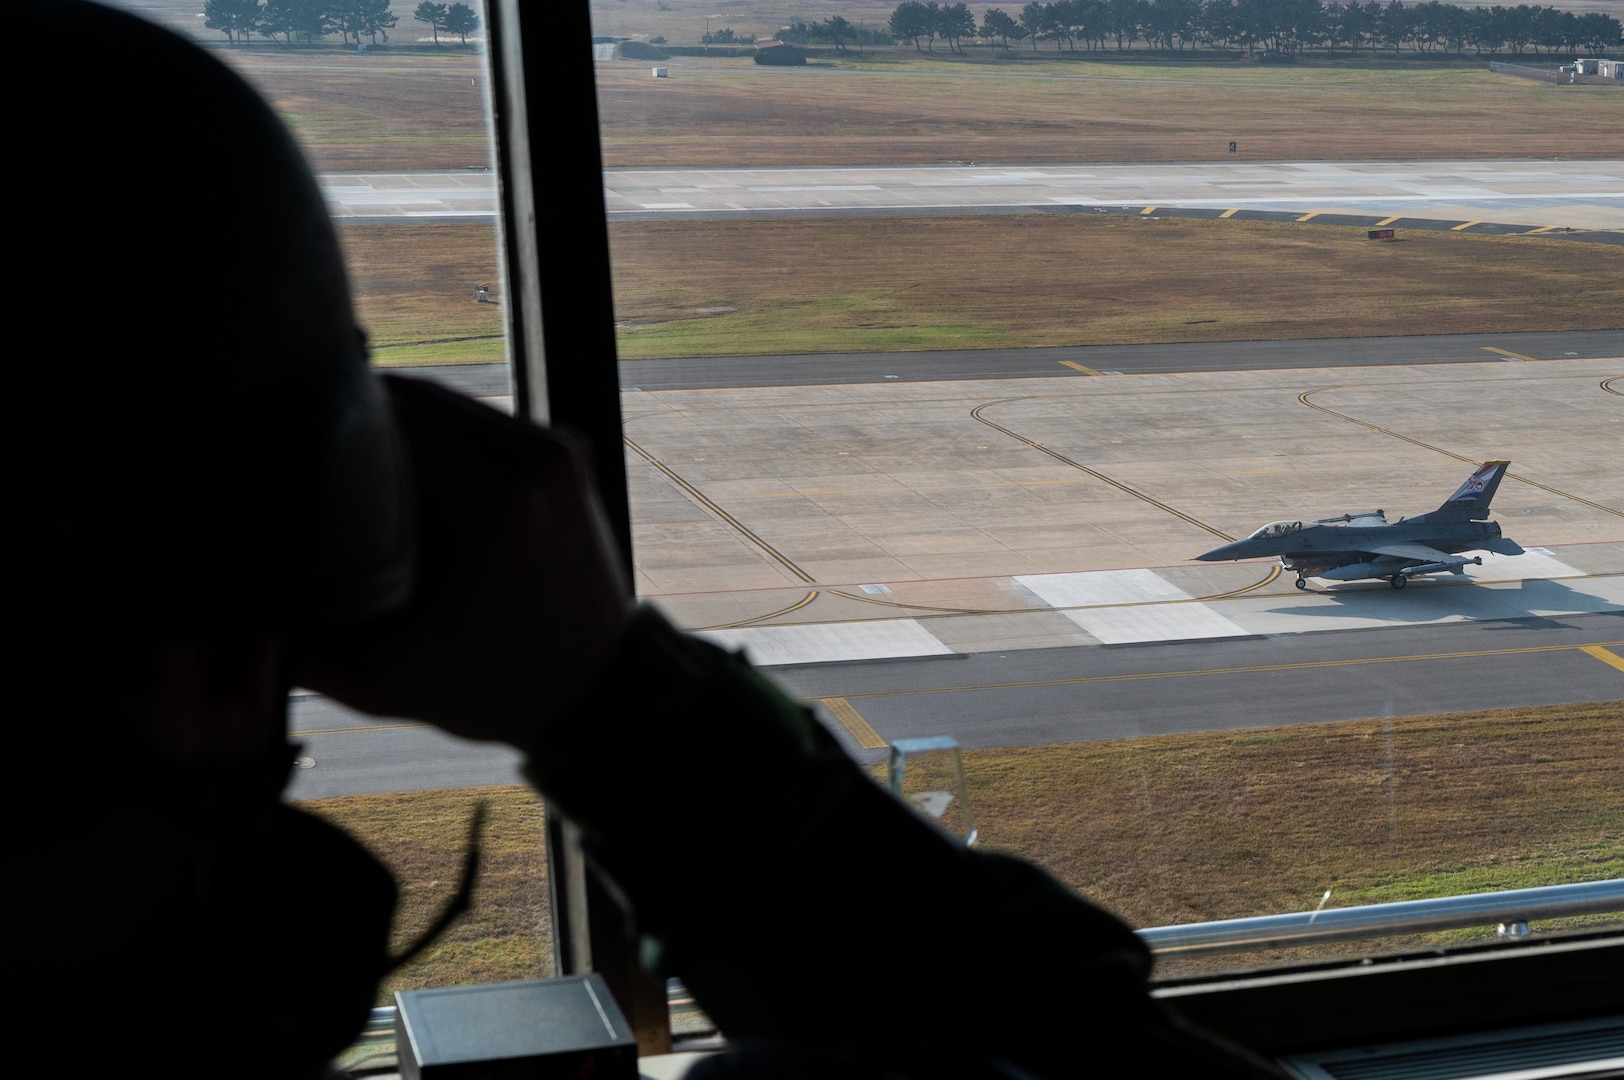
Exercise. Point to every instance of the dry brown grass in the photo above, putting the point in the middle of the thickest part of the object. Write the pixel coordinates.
(414, 291)
(1163, 829)
(1171, 829)
(423, 108)
(385, 111)
(872, 284)
(1189, 828)
(734, 113)
(422, 838)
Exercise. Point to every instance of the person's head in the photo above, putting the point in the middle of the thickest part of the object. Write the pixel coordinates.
(199, 469)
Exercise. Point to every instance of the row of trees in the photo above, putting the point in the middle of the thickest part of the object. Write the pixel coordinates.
(311, 20)
(836, 31)
(453, 18)
(1285, 26)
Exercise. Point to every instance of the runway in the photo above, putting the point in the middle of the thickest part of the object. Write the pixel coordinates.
(1047, 696)
(1478, 195)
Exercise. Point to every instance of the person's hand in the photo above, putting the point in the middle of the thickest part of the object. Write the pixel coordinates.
(520, 600)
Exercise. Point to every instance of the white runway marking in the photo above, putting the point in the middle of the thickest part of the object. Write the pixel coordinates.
(1147, 615)
(818, 643)
(1533, 563)
(1576, 194)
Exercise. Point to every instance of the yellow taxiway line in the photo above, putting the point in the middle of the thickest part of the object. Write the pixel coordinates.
(359, 729)
(1079, 367)
(1606, 656)
(1508, 353)
(852, 720)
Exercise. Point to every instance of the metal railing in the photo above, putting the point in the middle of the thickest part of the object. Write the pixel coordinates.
(1511, 910)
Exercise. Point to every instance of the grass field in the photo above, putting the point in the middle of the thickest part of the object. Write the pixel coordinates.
(414, 292)
(903, 109)
(878, 284)
(423, 108)
(1165, 829)
(1000, 281)
(422, 838)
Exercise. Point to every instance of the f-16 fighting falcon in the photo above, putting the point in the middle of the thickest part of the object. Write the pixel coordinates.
(1356, 546)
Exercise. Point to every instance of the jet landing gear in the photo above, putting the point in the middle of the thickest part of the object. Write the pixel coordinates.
(1301, 584)
(1399, 581)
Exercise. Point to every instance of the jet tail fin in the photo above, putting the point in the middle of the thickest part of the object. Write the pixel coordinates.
(1471, 500)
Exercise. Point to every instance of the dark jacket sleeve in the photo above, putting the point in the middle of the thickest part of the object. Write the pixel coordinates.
(800, 902)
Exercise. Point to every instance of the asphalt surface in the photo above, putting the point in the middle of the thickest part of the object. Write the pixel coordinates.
(491, 380)
(1046, 696)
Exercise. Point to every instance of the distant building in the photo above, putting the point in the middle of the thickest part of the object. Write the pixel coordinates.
(780, 53)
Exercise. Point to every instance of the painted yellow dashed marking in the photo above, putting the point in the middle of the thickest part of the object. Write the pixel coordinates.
(1079, 367)
(852, 720)
(1229, 213)
(1465, 225)
(358, 729)
(1388, 221)
(1513, 355)
(1606, 656)
(1310, 216)
(1148, 210)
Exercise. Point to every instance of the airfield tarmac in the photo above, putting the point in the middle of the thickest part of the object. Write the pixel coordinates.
(1064, 511)
(963, 556)
(1478, 195)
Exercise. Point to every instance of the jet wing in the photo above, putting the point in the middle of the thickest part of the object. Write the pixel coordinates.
(1419, 552)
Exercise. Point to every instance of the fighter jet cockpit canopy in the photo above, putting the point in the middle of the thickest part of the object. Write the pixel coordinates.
(1277, 528)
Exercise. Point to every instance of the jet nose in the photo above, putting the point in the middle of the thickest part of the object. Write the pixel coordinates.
(1218, 554)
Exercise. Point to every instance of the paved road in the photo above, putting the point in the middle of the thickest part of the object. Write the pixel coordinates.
(1584, 195)
(1042, 696)
(707, 373)
(1039, 697)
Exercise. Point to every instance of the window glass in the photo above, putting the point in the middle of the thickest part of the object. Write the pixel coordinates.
(945, 355)
(951, 337)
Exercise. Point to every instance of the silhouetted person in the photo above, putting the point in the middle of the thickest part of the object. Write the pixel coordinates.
(208, 500)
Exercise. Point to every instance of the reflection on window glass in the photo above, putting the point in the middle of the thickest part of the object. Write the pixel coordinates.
(951, 335)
